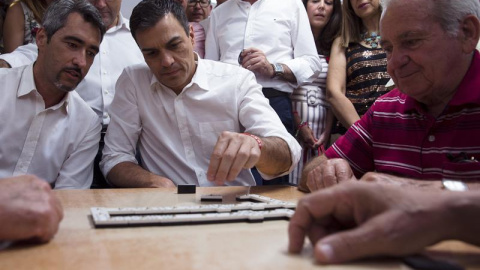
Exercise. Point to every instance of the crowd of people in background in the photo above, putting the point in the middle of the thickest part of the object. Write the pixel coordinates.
(313, 93)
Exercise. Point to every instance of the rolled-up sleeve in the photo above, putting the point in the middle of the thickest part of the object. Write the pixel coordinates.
(258, 117)
(124, 128)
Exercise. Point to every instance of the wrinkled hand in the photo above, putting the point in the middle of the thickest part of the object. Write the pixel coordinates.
(232, 153)
(256, 61)
(358, 219)
(328, 173)
(28, 209)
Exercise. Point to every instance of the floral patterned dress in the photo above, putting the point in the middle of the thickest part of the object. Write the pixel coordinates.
(31, 25)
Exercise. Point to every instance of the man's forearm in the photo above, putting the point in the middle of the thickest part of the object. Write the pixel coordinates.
(288, 74)
(128, 174)
(275, 158)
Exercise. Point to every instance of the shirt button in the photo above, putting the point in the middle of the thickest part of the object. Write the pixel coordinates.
(431, 138)
(105, 115)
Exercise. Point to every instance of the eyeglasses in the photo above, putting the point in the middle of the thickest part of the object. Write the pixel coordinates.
(96, 1)
(203, 3)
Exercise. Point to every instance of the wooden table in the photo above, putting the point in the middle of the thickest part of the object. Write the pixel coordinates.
(78, 245)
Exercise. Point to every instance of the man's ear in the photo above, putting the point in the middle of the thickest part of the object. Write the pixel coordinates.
(470, 28)
(41, 37)
(192, 35)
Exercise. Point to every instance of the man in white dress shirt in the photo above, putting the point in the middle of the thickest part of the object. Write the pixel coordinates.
(189, 129)
(46, 129)
(117, 51)
(273, 40)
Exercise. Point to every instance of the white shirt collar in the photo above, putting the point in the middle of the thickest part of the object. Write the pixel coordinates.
(27, 86)
(123, 23)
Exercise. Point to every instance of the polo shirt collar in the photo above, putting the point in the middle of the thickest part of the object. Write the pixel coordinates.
(468, 92)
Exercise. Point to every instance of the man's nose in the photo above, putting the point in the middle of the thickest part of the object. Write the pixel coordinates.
(80, 59)
(166, 60)
(396, 59)
(99, 3)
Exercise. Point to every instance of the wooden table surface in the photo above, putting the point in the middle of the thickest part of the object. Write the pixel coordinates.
(78, 245)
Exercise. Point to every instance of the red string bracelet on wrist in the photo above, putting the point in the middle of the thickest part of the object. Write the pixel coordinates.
(304, 123)
(256, 139)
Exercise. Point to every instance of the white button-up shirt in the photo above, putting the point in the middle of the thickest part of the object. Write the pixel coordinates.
(279, 28)
(57, 144)
(176, 134)
(117, 50)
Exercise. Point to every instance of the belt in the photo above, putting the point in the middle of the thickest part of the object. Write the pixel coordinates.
(271, 93)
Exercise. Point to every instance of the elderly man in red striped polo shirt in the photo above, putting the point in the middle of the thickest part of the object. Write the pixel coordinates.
(429, 127)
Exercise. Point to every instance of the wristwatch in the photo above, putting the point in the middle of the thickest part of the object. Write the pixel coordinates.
(278, 70)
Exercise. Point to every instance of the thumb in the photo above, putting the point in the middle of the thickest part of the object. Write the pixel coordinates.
(360, 242)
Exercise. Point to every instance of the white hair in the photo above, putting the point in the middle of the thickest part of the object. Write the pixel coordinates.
(449, 13)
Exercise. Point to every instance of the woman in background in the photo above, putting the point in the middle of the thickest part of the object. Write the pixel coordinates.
(22, 22)
(358, 65)
(312, 115)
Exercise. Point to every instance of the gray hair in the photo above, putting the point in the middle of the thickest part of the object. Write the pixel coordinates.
(56, 15)
(449, 13)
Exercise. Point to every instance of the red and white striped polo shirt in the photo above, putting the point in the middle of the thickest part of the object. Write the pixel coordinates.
(397, 136)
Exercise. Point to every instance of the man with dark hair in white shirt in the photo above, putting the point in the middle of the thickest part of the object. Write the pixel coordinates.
(117, 51)
(46, 129)
(188, 129)
(271, 39)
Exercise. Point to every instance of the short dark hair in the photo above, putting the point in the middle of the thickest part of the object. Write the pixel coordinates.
(56, 15)
(149, 12)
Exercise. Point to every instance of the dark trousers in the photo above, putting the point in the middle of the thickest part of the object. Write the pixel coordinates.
(282, 105)
(98, 178)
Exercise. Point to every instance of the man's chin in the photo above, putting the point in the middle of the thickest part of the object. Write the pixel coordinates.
(66, 87)
(107, 20)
